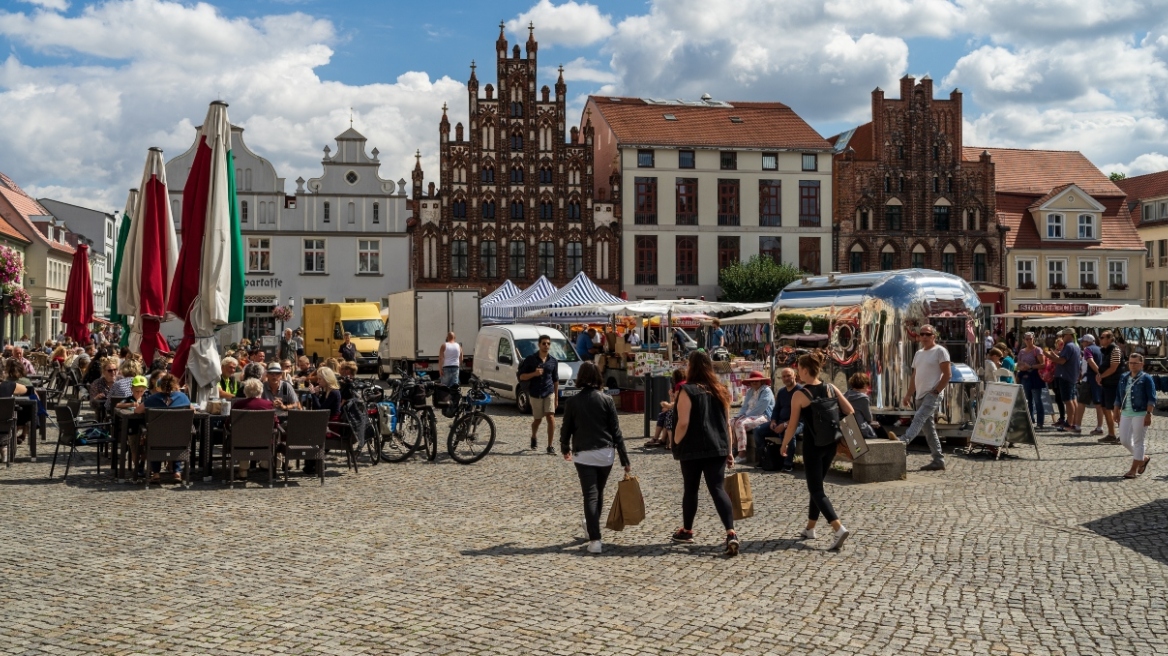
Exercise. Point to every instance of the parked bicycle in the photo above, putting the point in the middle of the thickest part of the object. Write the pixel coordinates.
(472, 433)
(406, 420)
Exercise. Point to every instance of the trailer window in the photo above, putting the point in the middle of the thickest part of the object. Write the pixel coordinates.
(560, 349)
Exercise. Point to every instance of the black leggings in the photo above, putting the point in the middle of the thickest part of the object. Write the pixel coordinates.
(817, 462)
(714, 469)
(592, 480)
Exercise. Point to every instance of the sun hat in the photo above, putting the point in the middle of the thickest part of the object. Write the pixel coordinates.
(275, 368)
(756, 377)
(139, 381)
(1089, 338)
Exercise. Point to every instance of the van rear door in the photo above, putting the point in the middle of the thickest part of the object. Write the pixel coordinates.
(503, 371)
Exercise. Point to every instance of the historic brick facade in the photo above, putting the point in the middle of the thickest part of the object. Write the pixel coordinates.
(905, 197)
(513, 200)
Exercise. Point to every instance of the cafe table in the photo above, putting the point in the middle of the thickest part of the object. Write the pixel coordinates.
(201, 439)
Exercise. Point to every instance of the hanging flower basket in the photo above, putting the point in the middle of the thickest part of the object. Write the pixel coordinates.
(18, 301)
(282, 313)
(11, 266)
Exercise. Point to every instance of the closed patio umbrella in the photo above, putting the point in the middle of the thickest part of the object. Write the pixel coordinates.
(123, 236)
(77, 314)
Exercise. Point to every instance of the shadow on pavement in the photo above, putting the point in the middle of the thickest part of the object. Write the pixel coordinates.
(1140, 529)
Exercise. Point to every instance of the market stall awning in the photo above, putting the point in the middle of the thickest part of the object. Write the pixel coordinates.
(748, 318)
(503, 292)
(512, 308)
(1130, 316)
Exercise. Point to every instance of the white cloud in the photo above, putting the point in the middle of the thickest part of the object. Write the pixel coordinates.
(935, 18)
(153, 68)
(53, 5)
(581, 69)
(569, 24)
(1145, 163)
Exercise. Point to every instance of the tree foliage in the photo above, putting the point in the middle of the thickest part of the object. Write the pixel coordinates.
(1116, 175)
(758, 280)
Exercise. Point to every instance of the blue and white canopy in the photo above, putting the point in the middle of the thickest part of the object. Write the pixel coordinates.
(504, 292)
(580, 291)
(515, 306)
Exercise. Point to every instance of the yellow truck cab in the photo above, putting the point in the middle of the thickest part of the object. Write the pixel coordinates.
(325, 326)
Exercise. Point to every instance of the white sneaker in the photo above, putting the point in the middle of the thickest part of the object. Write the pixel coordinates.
(807, 534)
(840, 536)
(594, 547)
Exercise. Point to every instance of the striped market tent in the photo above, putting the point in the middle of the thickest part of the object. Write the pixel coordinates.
(514, 307)
(580, 291)
(504, 292)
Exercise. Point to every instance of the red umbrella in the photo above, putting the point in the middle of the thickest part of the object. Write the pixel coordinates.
(78, 310)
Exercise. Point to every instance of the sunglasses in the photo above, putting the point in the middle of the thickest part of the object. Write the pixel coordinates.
(111, 371)
(928, 334)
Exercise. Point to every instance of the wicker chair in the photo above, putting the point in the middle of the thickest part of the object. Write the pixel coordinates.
(304, 438)
(251, 437)
(73, 434)
(168, 438)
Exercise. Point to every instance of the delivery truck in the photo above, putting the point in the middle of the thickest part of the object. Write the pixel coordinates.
(325, 326)
(416, 324)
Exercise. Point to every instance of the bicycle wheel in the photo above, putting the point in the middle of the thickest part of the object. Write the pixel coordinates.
(398, 445)
(430, 426)
(471, 437)
(373, 443)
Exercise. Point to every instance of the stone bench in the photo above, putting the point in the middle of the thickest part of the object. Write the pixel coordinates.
(886, 460)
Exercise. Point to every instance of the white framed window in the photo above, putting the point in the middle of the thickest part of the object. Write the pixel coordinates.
(376, 212)
(354, 299)
(1087, 226)
(314, 300)
(770, 161)
(1025, 270)
(1164, 210)
(1056, 273)
(1054, 226)
(327, 212)
(259, 255)
(314, 260)
(1117, 273)
(368, 256)
(1088, 274)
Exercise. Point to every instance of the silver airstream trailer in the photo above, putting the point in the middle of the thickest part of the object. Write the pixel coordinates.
(868, 322)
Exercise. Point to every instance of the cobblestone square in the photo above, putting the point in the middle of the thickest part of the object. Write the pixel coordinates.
(1020, 556)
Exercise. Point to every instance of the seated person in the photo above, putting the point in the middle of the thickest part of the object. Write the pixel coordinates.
(859, 385)
(757, 406)
(279, 391)
(252, 371)
(779, 419)
(228, 385)
(666, 418)
(128, 370)
(165, 396)
(253, 397)
(327, 397)
(16, 384)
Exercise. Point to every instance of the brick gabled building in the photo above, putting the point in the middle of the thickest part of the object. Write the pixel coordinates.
(906, 195)
(513, 200)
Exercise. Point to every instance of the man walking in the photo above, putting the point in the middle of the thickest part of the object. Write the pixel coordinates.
(287, 352)
(450, 357)
(541, 373)
(1066, 375)
(931, 371)
(1090, 392)
(348, 349)
(1108, 378)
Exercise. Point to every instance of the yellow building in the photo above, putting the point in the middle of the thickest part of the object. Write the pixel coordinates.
(1147, 200)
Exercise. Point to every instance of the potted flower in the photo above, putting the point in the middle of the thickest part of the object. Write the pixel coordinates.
(282, 314)
(1030, 284)
(1058, 285)
(11, 266)
(1119, 286)
(1090, 285)
(18, 302)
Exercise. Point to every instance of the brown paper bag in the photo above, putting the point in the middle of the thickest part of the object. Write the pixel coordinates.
(738, 487)
(632, 503)
(615, 521)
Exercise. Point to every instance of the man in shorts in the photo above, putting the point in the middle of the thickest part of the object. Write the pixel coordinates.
(1090, 392)
(541, 373)
(1108, 378)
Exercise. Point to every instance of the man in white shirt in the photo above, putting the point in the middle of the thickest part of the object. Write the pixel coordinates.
(988, 341)
(931, 371)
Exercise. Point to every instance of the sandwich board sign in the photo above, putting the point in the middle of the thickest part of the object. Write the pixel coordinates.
(1003, 419)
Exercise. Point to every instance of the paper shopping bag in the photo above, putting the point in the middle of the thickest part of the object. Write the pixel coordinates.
(632, 503)
(615, 521)
(738, 487)
(853, 445)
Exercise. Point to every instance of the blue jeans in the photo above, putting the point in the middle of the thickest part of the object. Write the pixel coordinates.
(1032, 387)
(449, 376)
(924, 421)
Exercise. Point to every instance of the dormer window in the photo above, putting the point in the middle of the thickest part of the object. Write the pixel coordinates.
(1054, 226)
(1087, 226)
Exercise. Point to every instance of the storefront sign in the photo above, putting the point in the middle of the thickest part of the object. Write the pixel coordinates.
(1002, 417)
(1065, 308)
(54, 306)
(1082, 295)
(1096, 309)
(263, 282)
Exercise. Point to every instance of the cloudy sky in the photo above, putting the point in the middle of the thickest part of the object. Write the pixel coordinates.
(87, 87)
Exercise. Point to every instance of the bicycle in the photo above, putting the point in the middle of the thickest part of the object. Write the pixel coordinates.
(472, 433)
(413, 425)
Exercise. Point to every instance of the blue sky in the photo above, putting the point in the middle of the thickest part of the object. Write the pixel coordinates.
(86, 87)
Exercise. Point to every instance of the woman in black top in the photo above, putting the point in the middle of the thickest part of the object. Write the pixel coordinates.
(701, 442)
(816, 459)
(591, 431)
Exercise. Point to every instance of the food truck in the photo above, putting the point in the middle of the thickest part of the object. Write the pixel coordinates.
(868, 322)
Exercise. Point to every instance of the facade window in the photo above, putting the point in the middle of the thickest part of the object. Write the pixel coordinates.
(856, 260)
(770, 161)
(887, 259)
(810, 162)
(916, 259)
(259, 255)
(893, 215)
(517, 259)
(547, 259)
(941, 218)
(902, 185)
(728, 202)
(729, 160)
(687, 201)
(517, 110)
(645, 210)
(575, 258)
(809, 203)
(685, 159)
(645, 159)
(488, 259)
(900, 152)
(771, 247)
(368, 256)
(545, 210)
(949, 263)
(545, 175)
(865, 220)
(488, 210)
(516, 209)
(574, 210)
(646, 260)
(1162, 248)
(1086, 226)
(314, 256)
(327, 212)
(1056, 273)
(887, 184)
(809, 255)
(353, 212)
(936, 185)
(377, 212)
(1088, 277)
(1149, 261)
(243, 211)
(936, 153)
(729, 251)
(1025, 270)
(516, 174)
(949, 184)
(488, 174)
(770, 203)
(979, 267)
(458, 259)
(316, 300)
(517, 141)
(458, 209)
(1054, 226)
(1117, 274)
(687, 260)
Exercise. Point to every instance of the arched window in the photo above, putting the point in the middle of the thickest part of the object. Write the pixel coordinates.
(546, 210)
(517, 174)
(488, 173)
(517, 109)
(888, 258)
(856, 259)
(980, 263)
(516, 209)
(918, 257)
(545, 175)
(488, 210)
(458, 209)
(243, 211)
(247, 180)
(517, 140)
(949, 259)
(574, 210)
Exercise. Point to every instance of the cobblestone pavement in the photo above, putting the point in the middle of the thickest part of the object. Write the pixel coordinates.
(1058, 556)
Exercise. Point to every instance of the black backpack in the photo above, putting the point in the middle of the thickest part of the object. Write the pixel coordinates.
(771, 458)
(825, 417)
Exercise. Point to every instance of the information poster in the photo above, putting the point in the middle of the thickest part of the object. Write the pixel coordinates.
(1002, 417)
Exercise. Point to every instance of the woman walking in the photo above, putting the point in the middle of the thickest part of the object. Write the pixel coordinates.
(1030, 363)
(1135, 401)
(591, 435)
(816, 459)
(701, 443)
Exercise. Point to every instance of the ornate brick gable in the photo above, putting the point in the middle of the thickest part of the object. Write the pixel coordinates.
(510, 178)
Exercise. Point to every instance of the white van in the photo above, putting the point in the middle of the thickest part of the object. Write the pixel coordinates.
(499, 350)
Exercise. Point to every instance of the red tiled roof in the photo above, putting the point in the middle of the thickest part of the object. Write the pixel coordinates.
(1144, 186)
(27, 207)
(1117, 231)
(763, 125)
(1038, 171)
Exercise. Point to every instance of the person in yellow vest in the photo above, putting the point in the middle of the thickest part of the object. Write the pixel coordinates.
(228, 384)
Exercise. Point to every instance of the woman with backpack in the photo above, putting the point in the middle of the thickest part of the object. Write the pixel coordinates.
(823, 405)
(701, 443)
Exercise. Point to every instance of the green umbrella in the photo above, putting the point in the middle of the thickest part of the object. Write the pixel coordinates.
(123, 236)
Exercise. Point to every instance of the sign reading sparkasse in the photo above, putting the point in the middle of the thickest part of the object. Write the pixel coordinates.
(1069, 308)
